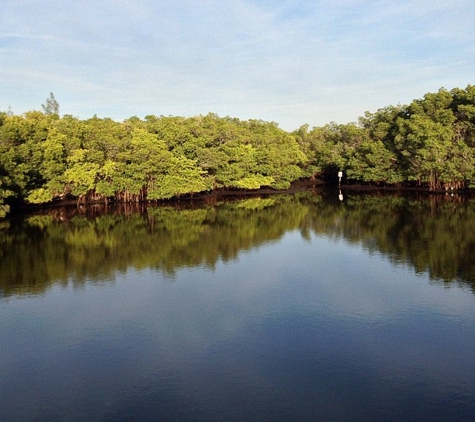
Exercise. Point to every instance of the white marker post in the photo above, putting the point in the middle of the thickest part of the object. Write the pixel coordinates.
(340, 175)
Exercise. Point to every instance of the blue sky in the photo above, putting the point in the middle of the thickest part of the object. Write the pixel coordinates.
(291, 62)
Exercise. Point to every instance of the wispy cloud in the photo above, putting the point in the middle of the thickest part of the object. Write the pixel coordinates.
(292, 62)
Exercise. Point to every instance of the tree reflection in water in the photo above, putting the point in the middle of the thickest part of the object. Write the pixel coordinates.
(434, 234)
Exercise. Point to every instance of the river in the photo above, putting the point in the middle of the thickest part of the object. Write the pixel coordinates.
(296, 307)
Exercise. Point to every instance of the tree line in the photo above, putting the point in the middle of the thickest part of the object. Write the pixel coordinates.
(45, 157)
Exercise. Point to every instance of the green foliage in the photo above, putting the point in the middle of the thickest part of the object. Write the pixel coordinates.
(80, 176)
(425, 145)
(254, 182)
(373, 162)
(183, 177)
(4, 208)
(44, 157)
(430, 142)
(40, 196)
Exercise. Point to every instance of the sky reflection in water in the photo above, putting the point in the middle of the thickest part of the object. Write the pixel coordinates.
(295, 328)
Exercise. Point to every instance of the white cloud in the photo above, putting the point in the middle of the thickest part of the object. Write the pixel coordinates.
(290, 62)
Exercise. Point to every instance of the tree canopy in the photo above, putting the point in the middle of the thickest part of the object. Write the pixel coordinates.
(45, 157)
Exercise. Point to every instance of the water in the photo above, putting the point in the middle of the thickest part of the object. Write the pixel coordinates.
(274, 309)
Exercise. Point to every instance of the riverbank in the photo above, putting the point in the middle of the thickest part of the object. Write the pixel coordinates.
(218, 194)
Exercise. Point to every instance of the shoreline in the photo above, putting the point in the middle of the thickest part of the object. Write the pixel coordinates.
(215, 195)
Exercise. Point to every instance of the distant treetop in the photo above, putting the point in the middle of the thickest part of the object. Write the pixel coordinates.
(51, 106)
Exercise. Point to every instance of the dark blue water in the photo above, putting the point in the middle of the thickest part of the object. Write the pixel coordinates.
(304, 326)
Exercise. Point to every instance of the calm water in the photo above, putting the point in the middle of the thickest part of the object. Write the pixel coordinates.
(288, 308)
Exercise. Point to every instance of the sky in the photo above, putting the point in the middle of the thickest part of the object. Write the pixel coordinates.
(290, 62)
